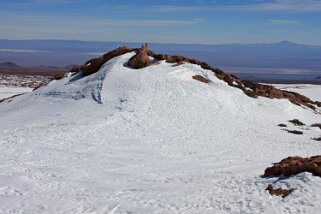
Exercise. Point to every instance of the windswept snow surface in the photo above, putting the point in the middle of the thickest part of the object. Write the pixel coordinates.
(152, 140)
(6, 92)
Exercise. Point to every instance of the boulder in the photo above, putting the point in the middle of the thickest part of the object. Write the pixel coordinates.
(295, 165)
(141, 59)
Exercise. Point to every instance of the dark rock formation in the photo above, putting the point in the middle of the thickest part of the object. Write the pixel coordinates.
(249, 88)
(296, 122)
(93, 65)
(279, 192)
(295, 165)
(141, 59)
(74, 69)
(316, 125)
(201, 78)
(272, 92)
(294, 131)
(282, 125)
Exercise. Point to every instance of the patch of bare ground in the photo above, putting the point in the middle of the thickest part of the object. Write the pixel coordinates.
(201, 78)
(293, 131)
(296, 122)
(317, 139)
(282, 125)
(279, 192)
(316, 125)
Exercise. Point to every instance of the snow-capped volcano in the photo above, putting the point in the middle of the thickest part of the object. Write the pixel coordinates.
(151, 140)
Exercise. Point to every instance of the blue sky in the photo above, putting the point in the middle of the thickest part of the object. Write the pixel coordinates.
(164, 21)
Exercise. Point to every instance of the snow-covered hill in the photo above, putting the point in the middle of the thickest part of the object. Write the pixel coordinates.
(151, 140)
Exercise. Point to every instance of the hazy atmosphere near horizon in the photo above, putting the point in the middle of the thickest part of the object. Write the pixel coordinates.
(166, 21)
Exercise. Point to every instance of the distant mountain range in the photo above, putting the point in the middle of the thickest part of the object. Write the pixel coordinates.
(9, 65)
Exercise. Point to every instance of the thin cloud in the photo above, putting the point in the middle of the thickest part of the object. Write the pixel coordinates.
(284, 21)
(290, 5)
(22, 19)
(38, 2)
(258, 5)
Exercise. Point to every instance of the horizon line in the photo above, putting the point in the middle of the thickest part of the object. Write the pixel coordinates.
(167, 43)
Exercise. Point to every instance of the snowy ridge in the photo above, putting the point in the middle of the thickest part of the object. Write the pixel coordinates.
(78, 86)
(152, 140)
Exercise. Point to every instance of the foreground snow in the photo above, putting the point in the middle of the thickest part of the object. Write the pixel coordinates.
(150, 141)
(10, 91)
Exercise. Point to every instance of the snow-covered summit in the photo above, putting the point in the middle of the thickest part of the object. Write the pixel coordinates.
(150, 140)
(78, 86)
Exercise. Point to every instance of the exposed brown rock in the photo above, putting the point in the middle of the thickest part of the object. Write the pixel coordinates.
(296, 122)
(251, 89)
(282, 125)
(294, 165)
(316, 125)
(93, 65)
(271, 92)
(59, 75)
(293, 131)
(74, 69)
(141, 59)
(279, 192)
(201, 78)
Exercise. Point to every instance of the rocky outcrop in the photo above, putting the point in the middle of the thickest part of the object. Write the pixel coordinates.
(59, 75)
(318, 125)
(249, 88)
(201, 78)
(295, 165)
(272, 92)
(141, 59)
(93, 65)
(74, 69)
(279, 192)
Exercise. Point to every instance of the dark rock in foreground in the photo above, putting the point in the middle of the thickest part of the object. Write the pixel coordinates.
(295, 165)
(279, 192)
